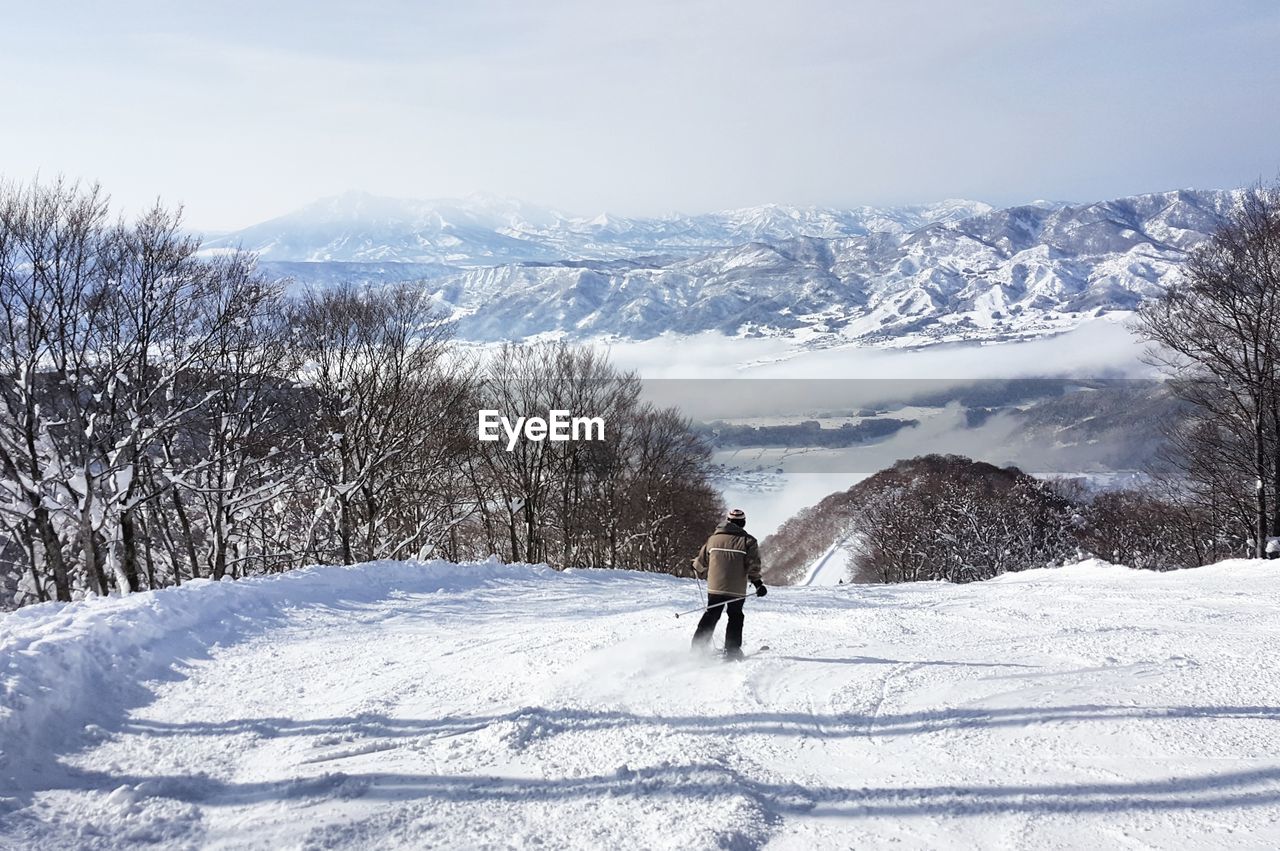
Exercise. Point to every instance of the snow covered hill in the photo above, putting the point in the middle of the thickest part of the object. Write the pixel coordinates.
(475, 706)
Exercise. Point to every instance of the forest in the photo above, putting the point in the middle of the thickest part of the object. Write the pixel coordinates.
(169, 414)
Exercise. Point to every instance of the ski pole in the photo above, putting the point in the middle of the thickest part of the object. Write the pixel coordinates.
(716, 606)
(701, 596)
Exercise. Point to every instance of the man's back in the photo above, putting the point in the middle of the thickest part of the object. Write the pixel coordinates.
(730, 558)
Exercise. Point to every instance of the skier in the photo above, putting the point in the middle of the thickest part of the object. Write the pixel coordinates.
(728, 559)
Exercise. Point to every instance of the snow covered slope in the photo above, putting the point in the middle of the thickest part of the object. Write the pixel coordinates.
(832, 567)
(401, 705)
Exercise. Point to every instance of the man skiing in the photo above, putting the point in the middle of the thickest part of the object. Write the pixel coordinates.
(728, 559)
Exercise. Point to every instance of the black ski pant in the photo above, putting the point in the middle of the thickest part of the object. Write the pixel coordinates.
(733, 633)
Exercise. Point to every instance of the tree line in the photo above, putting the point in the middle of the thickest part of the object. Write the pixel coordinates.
(935, 517)
(167, 414)
(953, 519)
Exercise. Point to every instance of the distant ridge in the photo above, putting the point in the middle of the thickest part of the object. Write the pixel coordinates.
(951, 271)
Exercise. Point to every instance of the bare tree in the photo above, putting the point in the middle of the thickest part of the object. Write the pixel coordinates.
(367, 354)
(664, 503)
(520, 381)
(240, 454)
(1219, 331)
(50, 281)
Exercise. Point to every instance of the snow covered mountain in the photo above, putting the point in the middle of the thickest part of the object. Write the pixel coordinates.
(483, 230)
(999, 274)
(358, 227)
(957, 270)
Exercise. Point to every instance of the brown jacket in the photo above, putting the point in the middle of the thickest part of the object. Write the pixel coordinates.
(728, 559)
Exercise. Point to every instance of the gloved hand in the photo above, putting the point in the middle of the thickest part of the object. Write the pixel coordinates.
(761, 590)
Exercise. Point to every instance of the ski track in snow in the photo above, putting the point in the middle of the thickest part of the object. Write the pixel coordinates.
(501, 707)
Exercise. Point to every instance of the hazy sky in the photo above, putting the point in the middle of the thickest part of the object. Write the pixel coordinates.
(244, 110)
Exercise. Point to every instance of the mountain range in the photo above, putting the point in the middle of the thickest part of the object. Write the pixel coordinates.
(955, 270)
(483, 230)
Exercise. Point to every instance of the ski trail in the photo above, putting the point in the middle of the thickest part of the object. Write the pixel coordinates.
(1069, 708)
(831, 566)
(894, 673)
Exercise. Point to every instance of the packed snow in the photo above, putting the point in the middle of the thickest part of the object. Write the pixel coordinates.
(435, 705)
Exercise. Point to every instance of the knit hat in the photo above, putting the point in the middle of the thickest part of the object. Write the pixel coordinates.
(738, 516)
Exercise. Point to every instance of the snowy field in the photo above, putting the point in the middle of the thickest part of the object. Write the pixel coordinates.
(486, 706)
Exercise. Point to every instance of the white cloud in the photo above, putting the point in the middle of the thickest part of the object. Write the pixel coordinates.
(1098, 348)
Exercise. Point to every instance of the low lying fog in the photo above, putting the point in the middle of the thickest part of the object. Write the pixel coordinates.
(711, 377)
